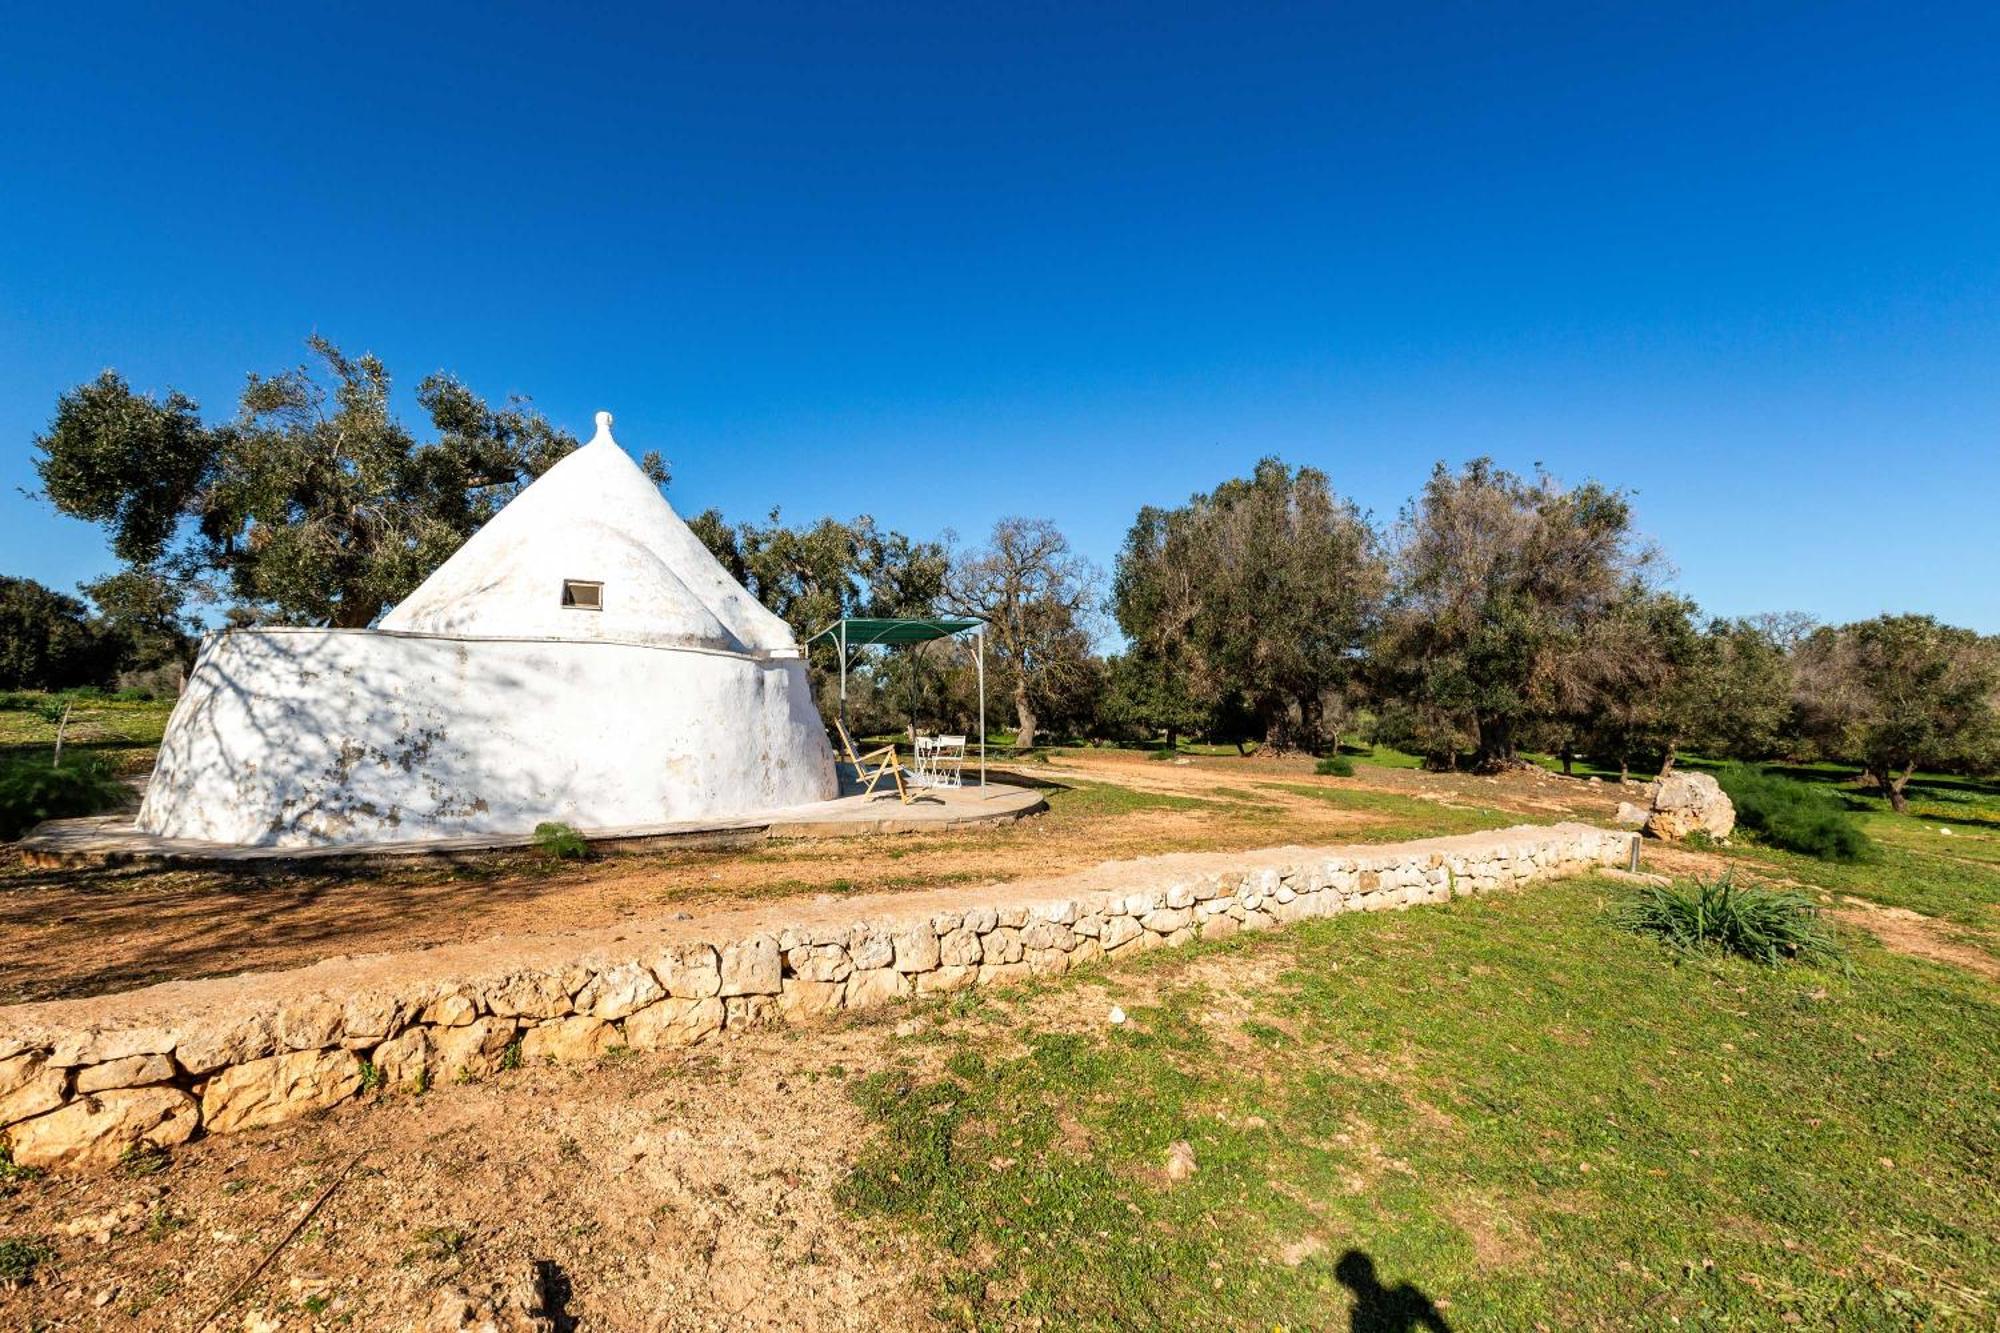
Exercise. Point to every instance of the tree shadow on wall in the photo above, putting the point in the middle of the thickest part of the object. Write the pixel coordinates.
(1402, 1308)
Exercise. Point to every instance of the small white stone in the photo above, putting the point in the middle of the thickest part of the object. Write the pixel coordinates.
(1117, 1014)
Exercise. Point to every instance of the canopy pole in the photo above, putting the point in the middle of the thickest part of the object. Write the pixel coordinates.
(843, 674)
(981, 658)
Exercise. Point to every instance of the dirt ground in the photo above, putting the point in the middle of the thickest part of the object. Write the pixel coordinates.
(78, 932)
(723, 1161)
(648, 1192)
(656, 1192)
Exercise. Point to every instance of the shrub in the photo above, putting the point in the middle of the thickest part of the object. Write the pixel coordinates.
(32, 790)
(1335, 766)
(561, 841)
(1714, 916)
(1795, 816)
(19, 1258)
(1163, 752)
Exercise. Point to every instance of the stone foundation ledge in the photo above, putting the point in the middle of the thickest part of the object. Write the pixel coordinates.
(83, 1082)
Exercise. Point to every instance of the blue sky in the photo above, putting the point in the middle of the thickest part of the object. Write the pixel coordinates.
(1066, 260)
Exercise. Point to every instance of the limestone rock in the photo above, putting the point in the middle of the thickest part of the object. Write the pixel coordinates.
(371, 1017)
(404, 1058)
(1047, 935)
(37, 1088)
(134, 1071)
(1180, 1160)
(567, 1040)
(960, 948)
(749, 1011)
(619, 991)
(673, 1022)
(916, 948)
(1046, 962)
(689, 971)
(278, 1088)
(819, 962)
(1630, 815)
(752, 967)
(1000, 945)
(474, 1050)
(455, 1008)
(804, 999)
(308, 1022)
(18, 1070)
(950, 977)
(876, 986)
(95, 1046)
(211, 1045)
(1686, 803)
(1119, 930)
(870, 949)
(528, 995)
(1167, 920)
(97, 1130)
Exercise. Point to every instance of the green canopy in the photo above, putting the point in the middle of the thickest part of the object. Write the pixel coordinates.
(859, 633)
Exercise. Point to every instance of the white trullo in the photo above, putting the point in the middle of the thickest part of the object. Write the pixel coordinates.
(582, 658)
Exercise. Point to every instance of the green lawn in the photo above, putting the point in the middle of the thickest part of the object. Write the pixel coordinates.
(125, 733)
(1534, 1118)
(1941, 859)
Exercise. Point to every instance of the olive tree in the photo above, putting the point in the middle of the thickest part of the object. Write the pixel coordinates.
(314, 504)
(1037, 597)
(1504, 590)
(1901, 692)
(1264, 589)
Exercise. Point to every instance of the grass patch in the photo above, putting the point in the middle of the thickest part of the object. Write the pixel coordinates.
(32, 790)
(1400, 816)
(1795, 816)
(560, 842)
(1764, 925)
(1335, 766)
(121, 729)
(1096, 799)
(20, 1257)
(1498, 1101)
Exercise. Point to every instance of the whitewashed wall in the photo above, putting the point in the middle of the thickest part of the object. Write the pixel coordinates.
(313, 737)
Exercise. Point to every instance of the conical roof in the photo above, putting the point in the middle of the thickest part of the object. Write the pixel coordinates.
(594, 519)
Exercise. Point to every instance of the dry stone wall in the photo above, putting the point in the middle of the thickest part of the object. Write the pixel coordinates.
(84, 1082)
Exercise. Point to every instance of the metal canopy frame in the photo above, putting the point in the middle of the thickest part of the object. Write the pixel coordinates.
(863, 632)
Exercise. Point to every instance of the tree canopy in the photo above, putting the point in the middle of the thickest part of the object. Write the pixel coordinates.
(1265, 588)
(313, 505)
(1503, 586)
(1899, 692)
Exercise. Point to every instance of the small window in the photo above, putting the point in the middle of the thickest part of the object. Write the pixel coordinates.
(583, 595)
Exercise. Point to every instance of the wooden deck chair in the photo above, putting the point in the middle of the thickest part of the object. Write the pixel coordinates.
(884, 760)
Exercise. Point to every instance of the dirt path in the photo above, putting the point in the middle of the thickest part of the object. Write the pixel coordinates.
(1903, 931)
(88, 931)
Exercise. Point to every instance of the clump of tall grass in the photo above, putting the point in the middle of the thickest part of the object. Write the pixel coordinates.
(1769, 926)
(560, 842)
(1796, 816)
(33, 789)
(1335, 766)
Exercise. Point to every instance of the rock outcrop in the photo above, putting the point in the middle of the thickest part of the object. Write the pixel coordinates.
(1685, 803)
